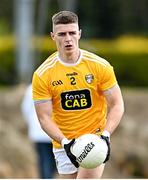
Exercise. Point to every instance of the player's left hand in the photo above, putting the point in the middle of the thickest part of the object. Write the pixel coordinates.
(67, 145)
(107, 140)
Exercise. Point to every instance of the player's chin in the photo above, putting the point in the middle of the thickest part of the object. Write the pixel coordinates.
(69, 50)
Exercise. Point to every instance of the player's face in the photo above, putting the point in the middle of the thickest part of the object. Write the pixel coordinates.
(66, 37)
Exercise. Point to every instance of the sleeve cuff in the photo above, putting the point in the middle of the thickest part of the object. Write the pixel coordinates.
(64, 141)
(106, 133)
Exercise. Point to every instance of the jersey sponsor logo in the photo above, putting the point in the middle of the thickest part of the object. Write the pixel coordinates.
(89, 78)
(76, 100)
(56, 83)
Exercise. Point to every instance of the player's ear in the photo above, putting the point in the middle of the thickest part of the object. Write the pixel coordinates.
(80, 32)
(52, 35)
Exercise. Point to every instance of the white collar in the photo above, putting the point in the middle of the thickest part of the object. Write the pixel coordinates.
(70, 64)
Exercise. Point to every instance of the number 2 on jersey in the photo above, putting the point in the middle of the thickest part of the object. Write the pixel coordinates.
(73, 80)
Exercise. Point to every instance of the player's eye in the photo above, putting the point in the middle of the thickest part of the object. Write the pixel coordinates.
(61, 34)
(72, 32)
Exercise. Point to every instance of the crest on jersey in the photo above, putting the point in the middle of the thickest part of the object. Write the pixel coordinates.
(89, 78)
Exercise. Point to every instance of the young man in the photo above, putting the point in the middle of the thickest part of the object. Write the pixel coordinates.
(75, 92)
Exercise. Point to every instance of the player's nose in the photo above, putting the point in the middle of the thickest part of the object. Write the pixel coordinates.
(68, 37)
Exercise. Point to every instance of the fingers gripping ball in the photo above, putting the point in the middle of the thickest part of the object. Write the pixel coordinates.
(90, 150)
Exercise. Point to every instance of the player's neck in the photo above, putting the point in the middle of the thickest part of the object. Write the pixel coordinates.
(70, 57)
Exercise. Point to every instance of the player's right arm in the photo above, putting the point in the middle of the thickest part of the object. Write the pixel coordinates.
(44, 111)
(43, 105)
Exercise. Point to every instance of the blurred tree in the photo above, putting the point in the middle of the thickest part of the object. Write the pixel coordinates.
(99, 18)
(107, 18)
(6, 17)
(70, 5)
(87, 17)
(133, 16)
(140, 13)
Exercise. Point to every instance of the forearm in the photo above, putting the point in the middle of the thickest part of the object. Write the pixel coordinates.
(51, 129)
(114, 117)
(115, 107)
(44, 113)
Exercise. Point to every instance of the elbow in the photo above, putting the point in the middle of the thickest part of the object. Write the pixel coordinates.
(42, 124)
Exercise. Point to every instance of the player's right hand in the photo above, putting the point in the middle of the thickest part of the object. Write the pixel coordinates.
(67, 145)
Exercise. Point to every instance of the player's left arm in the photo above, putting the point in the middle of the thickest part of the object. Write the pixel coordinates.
(115, 106)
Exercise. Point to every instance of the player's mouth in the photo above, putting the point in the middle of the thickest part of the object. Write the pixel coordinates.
(68, 47)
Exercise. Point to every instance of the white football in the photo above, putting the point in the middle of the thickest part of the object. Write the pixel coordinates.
(90, 150)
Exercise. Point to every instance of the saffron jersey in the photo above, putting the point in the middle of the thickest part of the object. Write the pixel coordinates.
(76, 92)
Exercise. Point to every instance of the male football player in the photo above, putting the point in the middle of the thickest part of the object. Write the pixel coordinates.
(75, 92)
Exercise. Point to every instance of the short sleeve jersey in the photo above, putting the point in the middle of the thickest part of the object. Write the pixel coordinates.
(76, 92)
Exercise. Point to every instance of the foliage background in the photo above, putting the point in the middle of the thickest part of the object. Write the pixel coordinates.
(116, 30)
(128, 55)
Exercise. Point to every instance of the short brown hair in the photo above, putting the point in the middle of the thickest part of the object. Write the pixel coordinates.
(64, 17)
